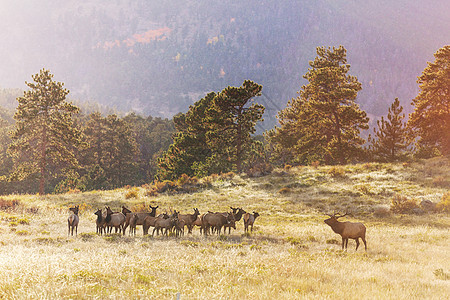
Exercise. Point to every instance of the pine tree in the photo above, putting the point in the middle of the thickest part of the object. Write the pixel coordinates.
(45, 137)
(324, 122)
(189, 150)
(232, 121)
(430, 121)
(390, 140)
(112, 152)
(214, 135)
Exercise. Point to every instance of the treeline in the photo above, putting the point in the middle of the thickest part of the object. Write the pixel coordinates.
(52, 147)
(84, 151)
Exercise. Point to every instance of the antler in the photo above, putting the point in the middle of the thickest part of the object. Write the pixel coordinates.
(340, 216)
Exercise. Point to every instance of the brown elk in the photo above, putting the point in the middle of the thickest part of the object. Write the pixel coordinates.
(150, 221)
(189, 219)
(115, 219)
(216, 221)
(73, 220)
(166, 224)
(138, 218)
(347, 230)
(237, 213)
(249, 219)
(100, 222)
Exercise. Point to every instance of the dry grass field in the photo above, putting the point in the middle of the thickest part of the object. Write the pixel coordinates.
(291, 254)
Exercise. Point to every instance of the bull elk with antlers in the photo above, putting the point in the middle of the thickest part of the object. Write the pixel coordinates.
(347, 230)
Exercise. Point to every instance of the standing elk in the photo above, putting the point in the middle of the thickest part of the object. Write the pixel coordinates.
(73, 220)
(347, 230)
(166, 224)
(237, 213)
(115, 219)
(150, 221)
(138, 218)
(249, 219)
(216, 221)
(100, 222)
(189, 219)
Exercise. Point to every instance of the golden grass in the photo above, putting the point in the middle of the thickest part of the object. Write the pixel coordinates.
(291, 253)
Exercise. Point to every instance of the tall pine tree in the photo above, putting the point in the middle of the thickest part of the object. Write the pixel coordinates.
(45, 137)
(430, 121)
(324, 122)
(390, 138)
(214, 135)
(232, 120)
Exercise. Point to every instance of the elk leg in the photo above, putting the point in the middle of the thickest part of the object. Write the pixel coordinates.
(357, 243)
(365, 244)
(343, 243)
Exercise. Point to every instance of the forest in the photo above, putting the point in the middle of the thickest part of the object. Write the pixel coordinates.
(51, 145)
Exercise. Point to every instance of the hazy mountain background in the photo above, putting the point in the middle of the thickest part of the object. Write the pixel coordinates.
(158, 57)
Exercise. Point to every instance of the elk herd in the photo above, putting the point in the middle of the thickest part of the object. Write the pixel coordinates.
(210, 222)
(165, 223)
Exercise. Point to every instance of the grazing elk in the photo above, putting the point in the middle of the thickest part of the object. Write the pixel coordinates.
(216, 221)
(115, 219)
(347, 230)
(249, 220)
(73, 220)
(100, 222)
(138, 219)
(189, 219)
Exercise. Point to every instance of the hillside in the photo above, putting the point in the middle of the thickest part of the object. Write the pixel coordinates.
(290, 254)
(158, 59)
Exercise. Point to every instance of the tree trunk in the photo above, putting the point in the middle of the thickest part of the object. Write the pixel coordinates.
(43, 163)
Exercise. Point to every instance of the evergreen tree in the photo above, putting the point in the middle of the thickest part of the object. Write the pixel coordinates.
(390, 142)
(324, 122)
(232, 121)
(214, 135)
(189, 146)
(45, 136)
(430, 121)
(112, 153)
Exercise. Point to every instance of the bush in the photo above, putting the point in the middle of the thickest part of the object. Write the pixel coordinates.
(8, 204)
(132, 193)
(337, 172)
(284, 190)
(444, 205)
(402, 205)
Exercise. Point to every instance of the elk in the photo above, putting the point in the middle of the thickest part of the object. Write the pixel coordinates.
(249, 219)
(237, 213)
(166, 224)
(73, 220)
(116, 220)
(215, 220)
(100, 222)
(189, 219)
(150, 221)
(138, 218)
(347, 230)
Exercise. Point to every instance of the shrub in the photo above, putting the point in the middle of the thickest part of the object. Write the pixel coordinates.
(444, 205)
(337, 172)
(402, 205)
(441, 181)
(284, 190)
(132, 193)
(8, 204)
(315, 164)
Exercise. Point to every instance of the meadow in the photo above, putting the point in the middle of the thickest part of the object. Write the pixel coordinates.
(291, 253)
